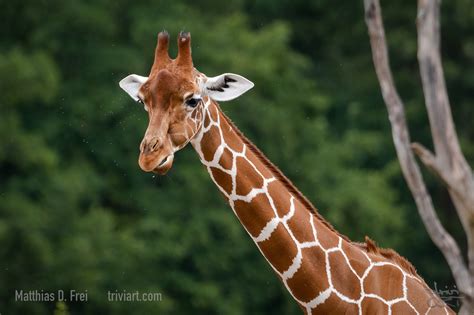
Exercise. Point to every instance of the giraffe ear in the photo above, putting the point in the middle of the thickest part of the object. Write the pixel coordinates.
(131, 84)
(227, 86)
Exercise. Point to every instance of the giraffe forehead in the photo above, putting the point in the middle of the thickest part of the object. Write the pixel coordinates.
(165, 84)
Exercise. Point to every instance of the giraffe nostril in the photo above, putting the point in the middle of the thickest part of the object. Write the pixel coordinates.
(155, 145)
(150, 145)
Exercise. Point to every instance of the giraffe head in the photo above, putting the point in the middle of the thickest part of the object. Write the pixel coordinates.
(175, 95)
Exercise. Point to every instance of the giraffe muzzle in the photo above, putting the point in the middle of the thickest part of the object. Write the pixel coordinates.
(156, 162)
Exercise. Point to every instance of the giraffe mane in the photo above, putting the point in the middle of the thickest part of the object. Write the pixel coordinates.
(369, 245)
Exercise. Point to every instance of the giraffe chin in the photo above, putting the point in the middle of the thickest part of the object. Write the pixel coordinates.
(159, 165)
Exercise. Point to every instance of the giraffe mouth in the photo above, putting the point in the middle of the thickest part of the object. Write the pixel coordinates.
(156, 162)
(164, 165)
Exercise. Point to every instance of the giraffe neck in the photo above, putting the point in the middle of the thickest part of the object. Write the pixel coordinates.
(320, 268)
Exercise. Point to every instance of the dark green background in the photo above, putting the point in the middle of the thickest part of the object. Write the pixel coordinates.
(77, 213)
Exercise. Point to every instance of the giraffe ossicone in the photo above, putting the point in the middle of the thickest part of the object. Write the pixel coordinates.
(323, 270)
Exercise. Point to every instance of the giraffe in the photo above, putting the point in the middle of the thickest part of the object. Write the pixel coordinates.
(323, 270)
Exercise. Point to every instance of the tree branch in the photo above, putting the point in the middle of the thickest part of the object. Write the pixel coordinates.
(445, 139)
(451, 163)
(457, 172)
(443, 240)
(428, 158)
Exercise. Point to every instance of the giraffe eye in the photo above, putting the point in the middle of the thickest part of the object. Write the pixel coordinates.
(192, 102)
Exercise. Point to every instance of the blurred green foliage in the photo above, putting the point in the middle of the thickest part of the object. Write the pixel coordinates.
(77, 213)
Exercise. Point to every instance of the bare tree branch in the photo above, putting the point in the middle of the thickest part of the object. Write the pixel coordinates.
(443, 240)
(457, 172)
(451, 164)
(430, 161)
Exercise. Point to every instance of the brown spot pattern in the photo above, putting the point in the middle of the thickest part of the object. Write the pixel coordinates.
(213, 113)
(226, 159)
(334, 305)
(255, 161)
(279, 249)
(300, 225)
(325, 237)
(310, 279)
(348, 285)
(281, 197)
(420, 302)
(358, 261)
(223, 179)
(232, 140)
(385, 281)
(212, 141)
(250, 216)
(402, 308)
(373, 306)
(248, 178)
(207, 121)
